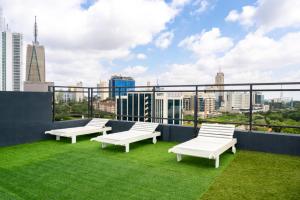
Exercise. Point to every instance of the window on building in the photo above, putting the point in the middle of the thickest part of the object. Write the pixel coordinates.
(170, 111)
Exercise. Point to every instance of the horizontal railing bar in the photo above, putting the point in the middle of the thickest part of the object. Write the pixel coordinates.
(211, 121)
(192, 85)
(205, 91)
(57, 91)
(132, 116)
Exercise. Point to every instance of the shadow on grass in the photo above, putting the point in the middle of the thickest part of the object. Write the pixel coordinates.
(132, 146)
(204, 162)
(79, 139)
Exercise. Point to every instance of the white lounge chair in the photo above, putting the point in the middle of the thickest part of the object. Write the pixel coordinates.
(139, 131)
(211, 142)
(96, 125)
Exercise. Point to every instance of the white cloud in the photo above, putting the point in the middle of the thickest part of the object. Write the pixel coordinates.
(268, 15)
(256, 58)
(141, 56)
(202, 6)
(107, 30)
(164, 40)
(244, 18)
(207, 43)
(135, 70)
(179, 3)
(259, 52)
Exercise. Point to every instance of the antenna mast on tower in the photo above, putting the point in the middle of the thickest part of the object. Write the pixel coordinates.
(35, 31)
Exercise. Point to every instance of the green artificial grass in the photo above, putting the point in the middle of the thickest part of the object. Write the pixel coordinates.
(255, 175)
(60, 170)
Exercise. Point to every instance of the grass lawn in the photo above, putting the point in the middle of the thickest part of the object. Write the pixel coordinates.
(59, 170)
(255, 175)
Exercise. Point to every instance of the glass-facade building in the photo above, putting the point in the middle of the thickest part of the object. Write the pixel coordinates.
(11, 46)
(137, 106)
(120, 81)
(259, 98)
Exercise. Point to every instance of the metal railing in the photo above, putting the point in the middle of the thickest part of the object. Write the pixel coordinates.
(196, 89)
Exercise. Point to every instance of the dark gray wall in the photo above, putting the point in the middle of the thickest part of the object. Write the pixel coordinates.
(118, 126)
(255, 141)
(69, 123)
(269, 142)
(24, 116)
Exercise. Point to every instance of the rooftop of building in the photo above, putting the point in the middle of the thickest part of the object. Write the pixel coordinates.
(35, 166)
(59, 170)
(120, 77)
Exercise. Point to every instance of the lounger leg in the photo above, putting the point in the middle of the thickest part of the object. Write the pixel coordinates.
(73, 139)
(127, 148)
(154, 140)
(179, 157)
(233, 149)
(57, 137)
(104, 132)
(103, 145)
(217, 162)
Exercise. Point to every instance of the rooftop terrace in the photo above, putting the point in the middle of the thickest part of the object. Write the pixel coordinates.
(35, 166)
(60, 170)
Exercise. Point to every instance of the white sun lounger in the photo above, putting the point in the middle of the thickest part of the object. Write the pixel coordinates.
(96, 125)
(212, 141)
(139, 131)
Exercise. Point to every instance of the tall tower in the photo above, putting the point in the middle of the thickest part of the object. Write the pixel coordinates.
(11, 46)
(35, 60)
(219, 81)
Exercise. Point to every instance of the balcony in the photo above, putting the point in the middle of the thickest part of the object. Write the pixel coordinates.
(36, 166)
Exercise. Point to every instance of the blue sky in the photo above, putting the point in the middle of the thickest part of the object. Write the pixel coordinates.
(185, 24)
(173, 41)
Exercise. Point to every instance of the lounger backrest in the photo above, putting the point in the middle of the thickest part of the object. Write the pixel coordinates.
(217, 130)
(97, 122)
(144, 126)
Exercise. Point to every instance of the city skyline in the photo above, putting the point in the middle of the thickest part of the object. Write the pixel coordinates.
(208, 35)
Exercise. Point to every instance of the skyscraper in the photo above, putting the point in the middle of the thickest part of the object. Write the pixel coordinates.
(219, 81)
(125, 84)
(138, 106)
(35, 60)
(11, 46)
(35, 66)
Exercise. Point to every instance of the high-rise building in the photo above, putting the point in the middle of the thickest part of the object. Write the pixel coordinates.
(259, 98)
(35, 60)
(138, 106)
(11, 51)
(219, 81)
(102, 90)
(35, 66)
(127, 83)
(206, 104)
(240, 101)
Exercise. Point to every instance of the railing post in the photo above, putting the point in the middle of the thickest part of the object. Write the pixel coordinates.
(120, 115)
(196, 111)
(53, 103)
(153, 104)
(89, 98)
(92, 108)
(250, 108)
